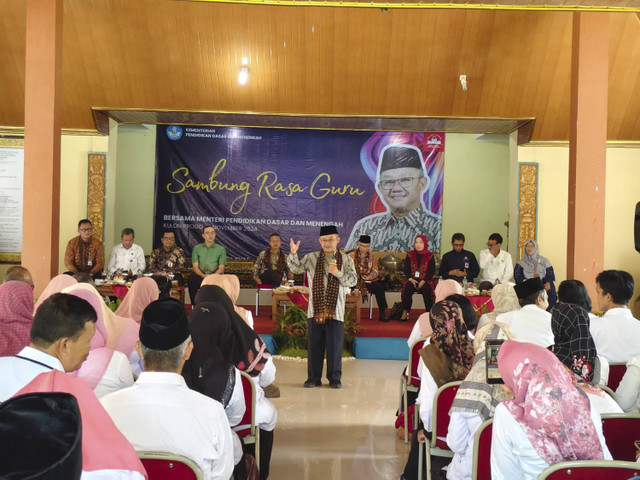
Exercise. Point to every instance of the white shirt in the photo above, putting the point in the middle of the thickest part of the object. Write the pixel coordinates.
(16, 372)
(460, 438)
(268, 374)
(628, 391)
(117, 376)
(160, 413)
(529, 324)
(127, 259)
(498, 268)
(616, 335)
(513, 456)
(427, 393)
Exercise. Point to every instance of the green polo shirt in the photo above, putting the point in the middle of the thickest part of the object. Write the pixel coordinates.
(209, 259)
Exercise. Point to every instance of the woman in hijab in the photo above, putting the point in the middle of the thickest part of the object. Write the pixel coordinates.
(532, 264)
(56, 285)
(504, 299)
(468, 313)
(548, 420)
(105, 370)
(474, 403)
(210, 371)
(16, 317)
(419, 267)
(142, 292)
(231, 285)
(447, 358)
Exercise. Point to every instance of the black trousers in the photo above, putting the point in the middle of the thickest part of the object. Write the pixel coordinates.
(266, 446)
(270, 277)
(377, 289)
(194, 283)
(409, 290)
(327, 336)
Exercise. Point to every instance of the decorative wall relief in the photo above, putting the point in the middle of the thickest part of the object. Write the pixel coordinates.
(527, 204)
(96, 179)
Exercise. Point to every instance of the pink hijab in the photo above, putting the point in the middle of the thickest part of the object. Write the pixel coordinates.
(93, 368)
(444, 288)
(103, 446)
(552, 411)
(143, 291)
(16, 317)
(231, 286)
(122, 333)
(56, 285)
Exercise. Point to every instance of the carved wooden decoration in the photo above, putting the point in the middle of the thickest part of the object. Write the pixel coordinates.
(528, 204)
(97, 163)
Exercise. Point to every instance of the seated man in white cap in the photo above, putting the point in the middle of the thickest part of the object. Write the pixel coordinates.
(159, 412)
(532, 323)
(367, 270)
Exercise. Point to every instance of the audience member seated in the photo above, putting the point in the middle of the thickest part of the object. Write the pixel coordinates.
(271, 265)
(16, 316)
(106, 453)
(616, 333)
(246, 349)
(447, 358)
(159, 412)
(459, 263)
(231, 286)
(367, 271)
(504, 300)
(105, 370)
(19, 274)
(496, 264)
(574, 347)
(422, 327)
(168, 258)
(60, 339)
(419, 267)
(475, 402)
(85, 252)
(628, 392)
(210, 371)
(84, 277)
(532, 323)
(574, 291)
(206, 258)
(55, 285)
(127, 257)
(531, 265)
(142, 292)
(164, 286)
(468, 313)
(547, 421)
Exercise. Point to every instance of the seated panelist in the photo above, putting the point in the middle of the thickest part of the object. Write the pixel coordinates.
(367, 269)
(271, 265)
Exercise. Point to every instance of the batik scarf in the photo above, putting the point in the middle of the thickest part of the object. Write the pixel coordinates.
(534, 263)
(475, 395)
(267, 264)
(552, 411)
(574, 345)
(324, 301)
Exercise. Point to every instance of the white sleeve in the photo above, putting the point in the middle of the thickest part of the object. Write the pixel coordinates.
(428, 389)
(268, 374)
(117, 376)
(140, 261)
(219, 465)
(414, 336)
(504, 464)
(484, 258)
(236, 407)
(508, 268)
(628, 391)
(249, 316)
(111, 265)
(458, 433)
(597, 422)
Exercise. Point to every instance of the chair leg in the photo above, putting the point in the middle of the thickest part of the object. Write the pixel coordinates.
(257, 300)
(427, 454)
(258, 446)
(421, 447)
(370, 307)
(406, 413)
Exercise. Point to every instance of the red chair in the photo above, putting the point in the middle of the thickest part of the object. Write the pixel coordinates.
(482, 451)
(616, 372)
(410, 382)
(167, 466)
(436, 446)
(247, 428)
(620, 431)
(591, 470)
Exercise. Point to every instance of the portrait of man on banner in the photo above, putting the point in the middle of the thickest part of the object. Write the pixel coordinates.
(402, 183)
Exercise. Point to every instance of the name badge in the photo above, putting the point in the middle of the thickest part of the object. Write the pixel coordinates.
(417, 274)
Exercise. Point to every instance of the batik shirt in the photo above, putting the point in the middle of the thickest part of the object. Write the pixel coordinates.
(160, 259)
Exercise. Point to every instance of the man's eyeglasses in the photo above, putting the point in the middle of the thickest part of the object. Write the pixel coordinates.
(169, 239)
(405, 182)
(86, 229)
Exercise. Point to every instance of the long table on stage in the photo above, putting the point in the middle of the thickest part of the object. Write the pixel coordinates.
(281, 301)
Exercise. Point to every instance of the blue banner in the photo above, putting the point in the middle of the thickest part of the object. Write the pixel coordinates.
(250, 182)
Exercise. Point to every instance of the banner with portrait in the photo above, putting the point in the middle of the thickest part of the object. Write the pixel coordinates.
(251, 182)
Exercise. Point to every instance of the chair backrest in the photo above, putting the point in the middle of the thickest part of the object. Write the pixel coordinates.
(167, 466)
(441, 406)
(414, 360)
(482, 451)
(620, 431)
(616, 372)
(591, 470)
(247, 425)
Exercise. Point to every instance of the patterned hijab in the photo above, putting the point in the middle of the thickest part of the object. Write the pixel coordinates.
(16, 316)
(574, 345)
(475, 395)
(143, 291)
(450, 336)
(534, 263)
(553, 412)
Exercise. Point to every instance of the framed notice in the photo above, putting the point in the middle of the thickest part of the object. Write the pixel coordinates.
(11, 191)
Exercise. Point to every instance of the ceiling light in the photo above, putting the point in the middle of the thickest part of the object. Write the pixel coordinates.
(463, 82)
(243, 76)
